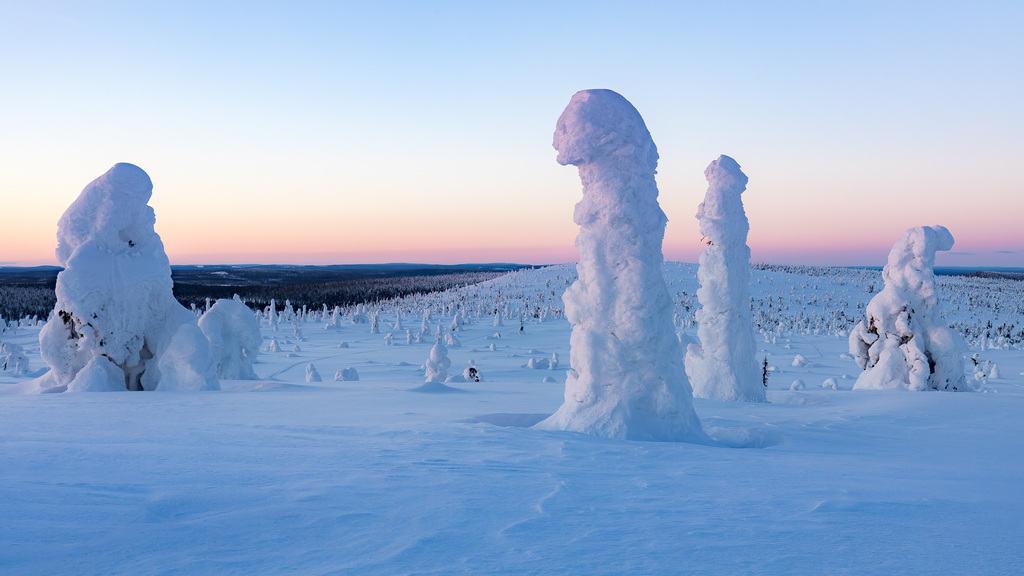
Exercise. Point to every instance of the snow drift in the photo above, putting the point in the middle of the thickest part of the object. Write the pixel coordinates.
(722, 366)
(116, 325)
(903, 343)
(626, 378)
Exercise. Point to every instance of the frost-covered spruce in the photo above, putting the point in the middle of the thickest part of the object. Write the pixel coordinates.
(437, 363)
(626, 378)
(312, 374)
(117, 326)
(234, 335)
(722, 366)
(903, 342)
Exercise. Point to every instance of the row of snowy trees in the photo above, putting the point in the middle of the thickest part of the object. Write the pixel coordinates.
(627, 377)
(116, 324)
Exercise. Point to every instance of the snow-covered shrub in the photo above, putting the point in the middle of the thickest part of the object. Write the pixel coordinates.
(436, 367)
(626, 378)
(312, 374)
(903, 342)
(234, 335)
(273, 346)
(722, 366)
(13, 358)
(471, 373)
(346, 375)
(115, 312)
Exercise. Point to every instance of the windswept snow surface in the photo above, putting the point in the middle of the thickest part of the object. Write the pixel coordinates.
(275, 476)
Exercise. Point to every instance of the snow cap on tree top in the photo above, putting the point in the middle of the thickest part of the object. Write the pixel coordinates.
(112, 210)
(725, 173)
(601, 124)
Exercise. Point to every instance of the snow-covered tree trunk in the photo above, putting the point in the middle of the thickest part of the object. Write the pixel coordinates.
(903, 343)
(117, 325)
(626, 378)
(722, 366)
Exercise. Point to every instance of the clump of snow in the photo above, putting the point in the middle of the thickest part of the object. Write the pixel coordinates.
(993, 373)
(830, 384)
(797, 384)
(799, 361)
(722, 366)
(903, 342)
(98, 375)
(471, 373)
(115, 313)
(626, 378)
(234, 335)
(346, 375)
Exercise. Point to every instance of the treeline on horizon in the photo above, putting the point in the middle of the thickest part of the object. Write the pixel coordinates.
(30, 292)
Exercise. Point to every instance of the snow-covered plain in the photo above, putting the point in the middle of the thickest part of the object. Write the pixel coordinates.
(275, 475)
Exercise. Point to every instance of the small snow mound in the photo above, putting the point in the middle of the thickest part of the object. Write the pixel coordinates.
(744, 437)
(507, 420)
(436, 388)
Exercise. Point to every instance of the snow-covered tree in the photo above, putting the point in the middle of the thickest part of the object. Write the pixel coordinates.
(116, 324)
(626, 378)
(903, 341)
(234, 335)
(722, 366)
(437, 363)
(13, 358)
(312, 374)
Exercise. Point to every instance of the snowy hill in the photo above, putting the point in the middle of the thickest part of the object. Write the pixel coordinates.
(281, 475)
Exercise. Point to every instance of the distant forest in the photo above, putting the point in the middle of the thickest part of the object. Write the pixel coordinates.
(30, 291)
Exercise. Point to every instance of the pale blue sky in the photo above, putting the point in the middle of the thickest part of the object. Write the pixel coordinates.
(332, 132)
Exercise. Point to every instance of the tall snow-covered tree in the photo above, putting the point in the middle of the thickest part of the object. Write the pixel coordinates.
(722, 366)
(626, 378)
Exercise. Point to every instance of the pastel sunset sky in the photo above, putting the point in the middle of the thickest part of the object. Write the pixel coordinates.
(342, 132)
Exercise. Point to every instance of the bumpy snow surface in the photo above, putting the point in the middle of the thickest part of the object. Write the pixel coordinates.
(275, 476)
(626, 378)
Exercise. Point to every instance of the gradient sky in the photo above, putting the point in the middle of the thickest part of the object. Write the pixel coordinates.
(390, 131)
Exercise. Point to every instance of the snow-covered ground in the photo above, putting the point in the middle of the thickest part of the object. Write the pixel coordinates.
(369, 477)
